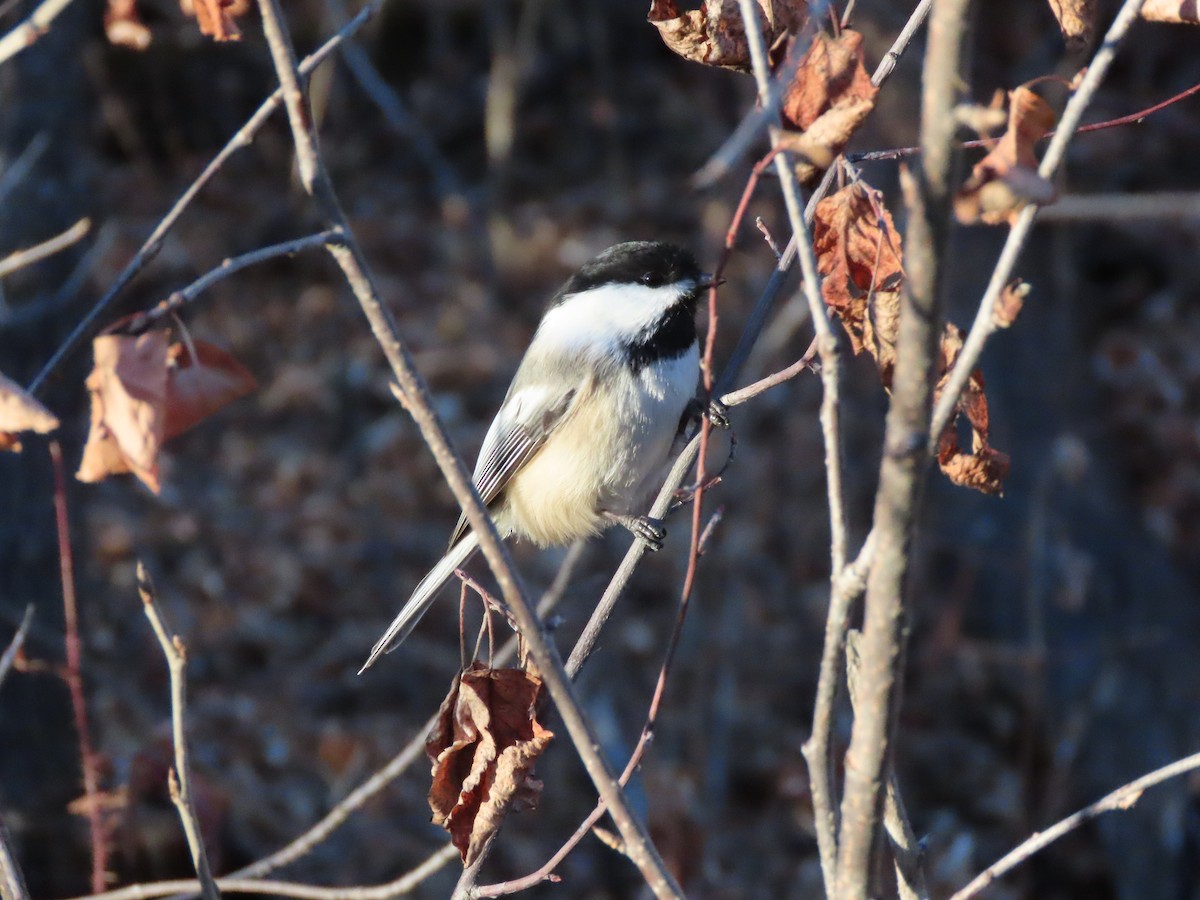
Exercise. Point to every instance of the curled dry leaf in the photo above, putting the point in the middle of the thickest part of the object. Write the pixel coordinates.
(199, 384)
(1178, 12)
(1076, 21)
(1006, 180)
(714, 34)
(124, 27)
(483, 750)
(1009, 304)
(828, 99)
(860, 257)
(19, 411)
(217, 18)
(128, 386)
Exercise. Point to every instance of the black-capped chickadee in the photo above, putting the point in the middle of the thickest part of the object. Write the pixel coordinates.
(590, 418)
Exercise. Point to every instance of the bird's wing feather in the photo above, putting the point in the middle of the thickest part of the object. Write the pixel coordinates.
(526, 419)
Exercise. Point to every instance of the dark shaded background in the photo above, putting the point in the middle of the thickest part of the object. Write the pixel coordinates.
(1054, 637)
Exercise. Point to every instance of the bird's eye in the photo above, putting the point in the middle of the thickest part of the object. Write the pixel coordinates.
(651, 279)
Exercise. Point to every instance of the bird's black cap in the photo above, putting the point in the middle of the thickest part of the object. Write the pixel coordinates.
(652, 263)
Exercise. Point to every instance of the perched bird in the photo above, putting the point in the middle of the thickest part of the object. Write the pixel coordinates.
(587, 426)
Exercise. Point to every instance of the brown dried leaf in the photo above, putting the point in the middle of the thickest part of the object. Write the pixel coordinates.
(198, 386)
(859, 254)
(124, 27)
(216, 18)
(1177, 12)
(128, 386)
(1076, 21)
(483, 750)
(1006, 180)
(829, 98)
(19, 411)
(714, 34)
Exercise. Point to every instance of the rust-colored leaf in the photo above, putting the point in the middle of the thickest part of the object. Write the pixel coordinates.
(1177, 12)
(124, 27)
(128, 386)
(483, 750)
(1006, 180)
(1076, 21)
(1009, 305)
(217, 18)
(829, 98)
(19, 411)
(859, 254)
(199, 385)
(714, 34)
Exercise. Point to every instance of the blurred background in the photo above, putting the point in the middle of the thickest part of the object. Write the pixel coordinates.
(1055, 631)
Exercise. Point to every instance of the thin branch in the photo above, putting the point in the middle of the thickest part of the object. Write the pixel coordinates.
(902, 471)
(349, 256)
(27, 33)
(1122, 798)
(403, 885)
(179, 779)
(73, 674)
(984, 323)
(14, 646)
(181, 298)
(12, 882)
(150, 247)
(1116, 209)
(19, 259)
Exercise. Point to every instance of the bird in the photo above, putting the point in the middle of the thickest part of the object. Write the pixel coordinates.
(609, 381)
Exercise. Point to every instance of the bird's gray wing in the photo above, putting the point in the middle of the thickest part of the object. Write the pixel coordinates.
(529, 416)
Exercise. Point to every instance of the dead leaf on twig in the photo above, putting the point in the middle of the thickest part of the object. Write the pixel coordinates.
(483, 750)
(1006, 180)
(1076, 21)
(1010, 302)
(144, 391)
(715, 35)
(199, 385)
(128, 386)
(827, 101)
(217, 18)
(20, 411)
(124, 27)
(1176, 12)
(860, 256)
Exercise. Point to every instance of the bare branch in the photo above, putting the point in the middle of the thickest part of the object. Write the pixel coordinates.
(181, 298)
(27, 257)
(27, 33)
(984, 324)
(1122, 798)
(904, 464)
(179, 779)
(1116, 209)
(73, 674)
(18, 640)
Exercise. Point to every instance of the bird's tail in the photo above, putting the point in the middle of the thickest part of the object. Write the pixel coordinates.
(422, 598)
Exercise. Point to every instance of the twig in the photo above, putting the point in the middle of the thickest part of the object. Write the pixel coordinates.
(984, 323)
(20, 167)
(402, 885)
(906, 852)
(179, 779)
(182, 297)
(153, 243)
(1114, 209)
(1122, 798)
(12, 882)
(27, 33)
(904, 464)
(349, 256)
(14, 646)
(73, 674)
(19, 259)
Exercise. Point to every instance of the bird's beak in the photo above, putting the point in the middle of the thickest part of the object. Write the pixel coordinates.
(707, 280)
